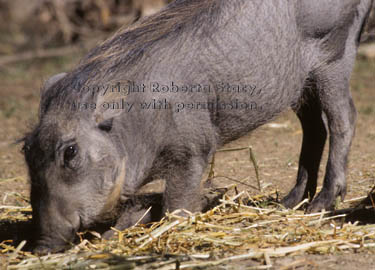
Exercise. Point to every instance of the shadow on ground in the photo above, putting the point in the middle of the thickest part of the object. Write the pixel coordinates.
(14, 232)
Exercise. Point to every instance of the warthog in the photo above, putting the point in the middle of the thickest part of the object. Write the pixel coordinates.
(157, 99)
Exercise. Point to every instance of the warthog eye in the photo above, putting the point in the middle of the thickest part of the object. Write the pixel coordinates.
(70, 153)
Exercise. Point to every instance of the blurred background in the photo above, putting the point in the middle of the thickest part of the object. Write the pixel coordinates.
(45, 24)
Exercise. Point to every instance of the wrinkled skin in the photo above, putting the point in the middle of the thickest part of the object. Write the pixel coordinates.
(62, 197)
(83, 160)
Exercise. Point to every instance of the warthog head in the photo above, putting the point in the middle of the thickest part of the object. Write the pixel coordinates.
(75, 169)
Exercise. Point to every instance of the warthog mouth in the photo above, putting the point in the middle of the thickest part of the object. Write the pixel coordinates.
(57, 241)
(44, 249)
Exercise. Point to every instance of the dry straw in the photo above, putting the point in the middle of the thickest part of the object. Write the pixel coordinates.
(241, 227)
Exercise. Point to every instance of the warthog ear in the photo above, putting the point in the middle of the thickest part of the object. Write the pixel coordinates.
(47, 85)
(51, 81)
(108, 106)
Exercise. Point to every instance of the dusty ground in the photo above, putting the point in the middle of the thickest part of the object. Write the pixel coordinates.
(276, 149)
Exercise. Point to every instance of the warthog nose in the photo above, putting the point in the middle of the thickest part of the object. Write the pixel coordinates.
(56, 234)
(44, 250)
(41, 250)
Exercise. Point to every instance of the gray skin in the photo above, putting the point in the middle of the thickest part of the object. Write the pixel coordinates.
(84, 159)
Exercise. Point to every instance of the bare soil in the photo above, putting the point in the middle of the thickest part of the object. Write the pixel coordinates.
(275, 145)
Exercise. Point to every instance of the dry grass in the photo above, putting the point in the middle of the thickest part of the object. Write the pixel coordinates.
(240, 227)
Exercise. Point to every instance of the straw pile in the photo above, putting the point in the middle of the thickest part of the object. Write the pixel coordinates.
(241, 227)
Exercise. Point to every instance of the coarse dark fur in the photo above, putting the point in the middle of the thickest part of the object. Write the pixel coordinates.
(295, 54)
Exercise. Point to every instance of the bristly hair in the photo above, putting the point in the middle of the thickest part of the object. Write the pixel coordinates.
(130, 43)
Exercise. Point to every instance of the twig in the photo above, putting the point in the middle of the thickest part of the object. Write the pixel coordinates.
(237, 181)
(17, 250)
(300, 204)
(148, 210)
(62, 19)
(30, 55)
(252, 160)
(25, 208)
(256, 167)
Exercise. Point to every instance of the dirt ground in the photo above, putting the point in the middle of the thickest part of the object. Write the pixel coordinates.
(275, 145)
